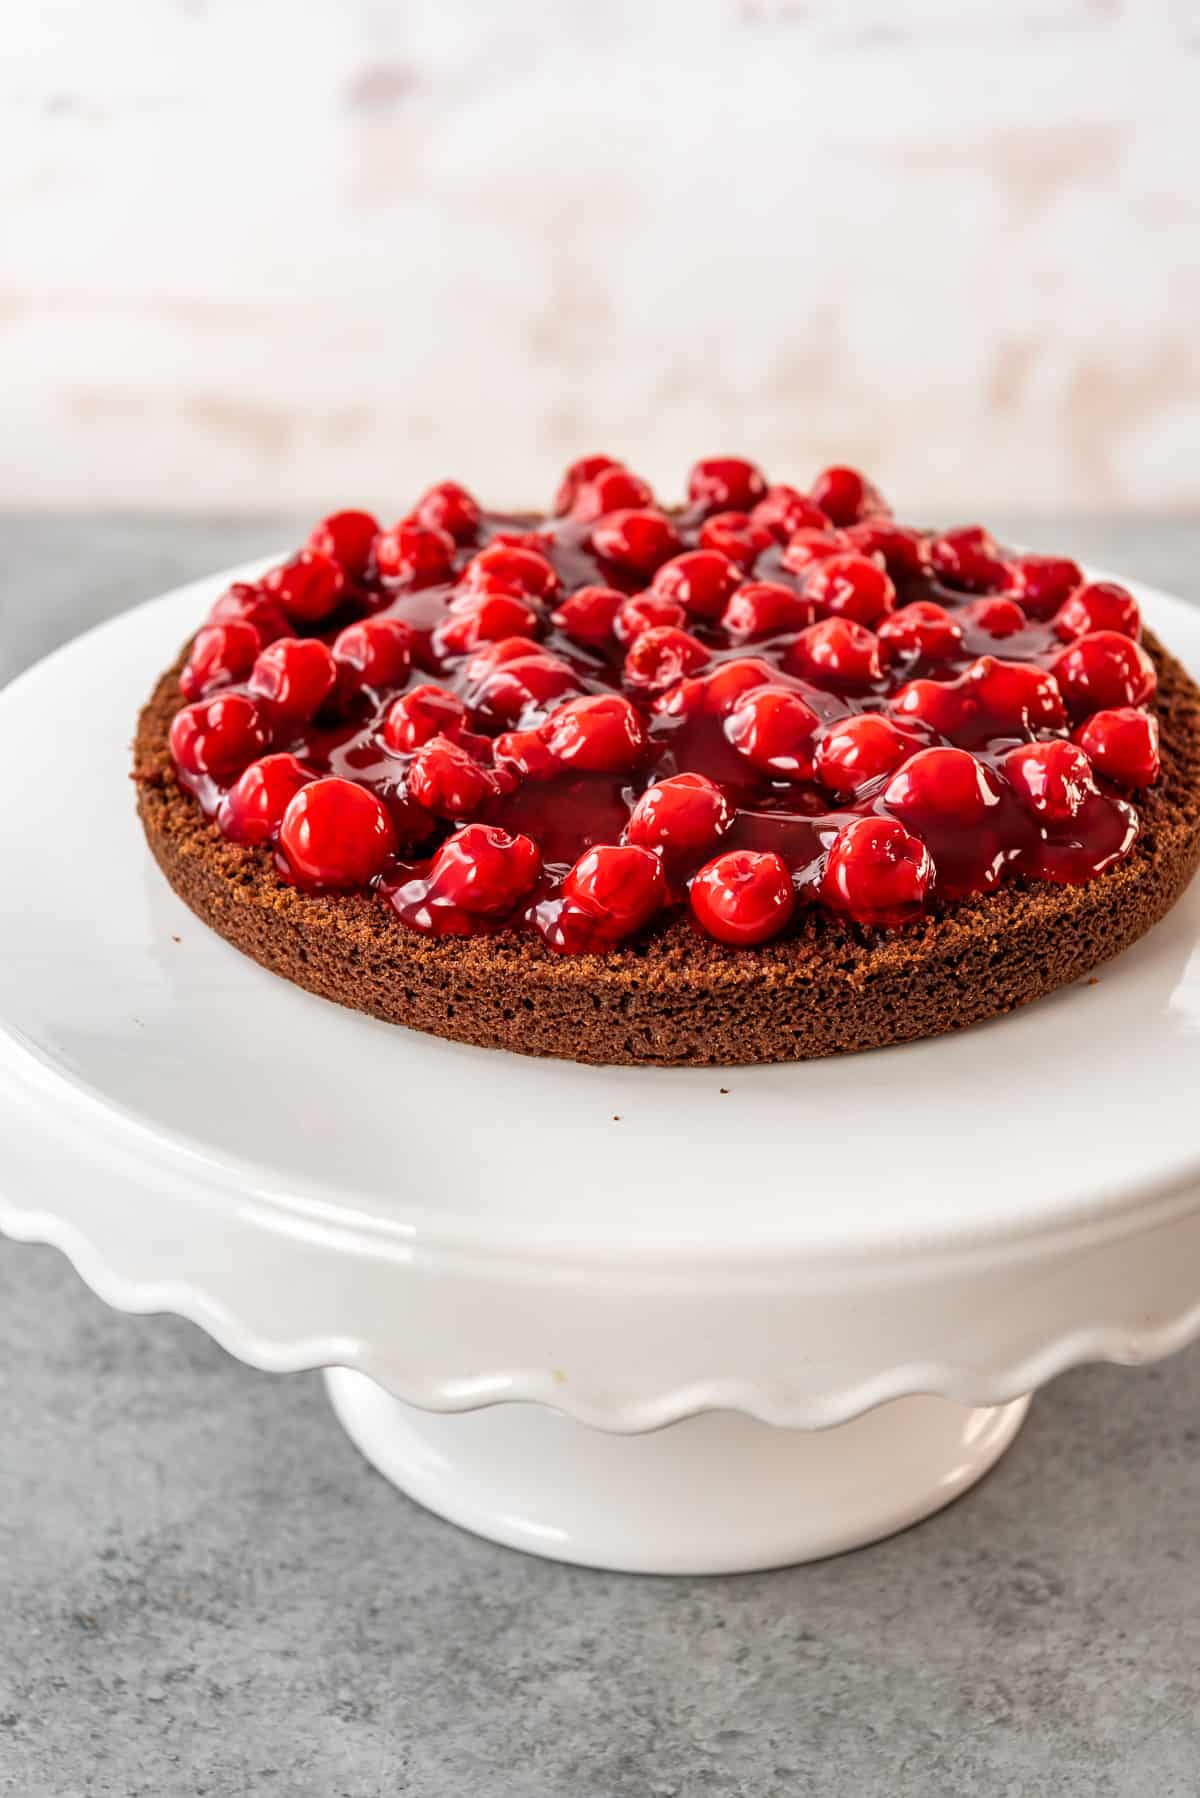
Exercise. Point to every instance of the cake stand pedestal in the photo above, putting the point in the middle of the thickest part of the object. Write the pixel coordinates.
(664, 1320)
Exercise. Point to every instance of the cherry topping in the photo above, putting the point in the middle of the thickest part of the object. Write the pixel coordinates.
(851, 587)
(861, 749)
(309, 587)
(220, 654)
(945, 784)
(1122, 745)
(1013, 697)
(970, 559)
(1099, 606)
(482, 616)
(1053, 778)
(601, 734)
(346, 538)
(639, 539)
(700, 579)
(251, 604)
(416, 553)
(1041, 583)
(448, 781)
(998, 616)
(845, 496)
(218, 736)
(516, 685)
(784, 511)
(681, 816)
(422, 714)
(774, 728)
(903, 549)
(611, 891)
(922, 631)
(335, 835)
(484, 871)
(296, 676)
(877, 871)
(646, 612)
(1104, 670)
(810, 545)
(725, 484)
(252, 810)
(376, 652)
(588, 614)
(614, 489)
(509, 568)
(661, 656)
(838, 650)
(762, 608)
(745, 896)
(736, 536)
(576, 473)
(450, 508)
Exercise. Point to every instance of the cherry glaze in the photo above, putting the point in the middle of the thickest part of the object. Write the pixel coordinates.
(709, 698)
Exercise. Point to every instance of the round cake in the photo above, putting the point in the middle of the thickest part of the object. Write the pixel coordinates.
(763, 777)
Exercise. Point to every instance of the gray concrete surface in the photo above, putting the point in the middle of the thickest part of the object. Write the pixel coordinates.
(204, 1591)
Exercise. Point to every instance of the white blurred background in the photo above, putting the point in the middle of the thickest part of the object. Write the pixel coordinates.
(298, 252)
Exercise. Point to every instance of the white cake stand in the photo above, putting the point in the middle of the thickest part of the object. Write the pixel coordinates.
(697, 1320)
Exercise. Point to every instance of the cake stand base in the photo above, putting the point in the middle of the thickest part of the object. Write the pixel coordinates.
(715, 1493)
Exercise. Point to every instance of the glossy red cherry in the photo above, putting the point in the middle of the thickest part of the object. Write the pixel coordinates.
(682, 816)
(422, 714)
(252, 604)
(296, 676)
(252, 810)
(1054, 779)
(335, 835)
(997, 615)
(809, 545)
(586, 468)
(479, 616)
(415, 553)
(764, 608)
(484, 871)
(774, 729)
(646, 612)
(837, 650)
(700, 579)
(903, 549)
(614, 489)
(220, 655)
(725, 484)
(448, 781)
(942, 784)
(508, 568)
(717, 693)
(845, 495)
(877, 871)
(1041, 583)
(1010, 698)
(587, 615)
(522, 685)
(523, 754)
(783, 511)
(1099, 606)
(639, 539)
(851, 587)
(614, 889)
(662, 656)
(922, 632)
(309, 587)
(745, 897)
(376, 652)
(735, 535)
(938, 704)
(1103, 671)
(970, 559)
(858, 750)
(450, 508)
(348, 539)
(218, 736)
(600, 734)
(1122, 745)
